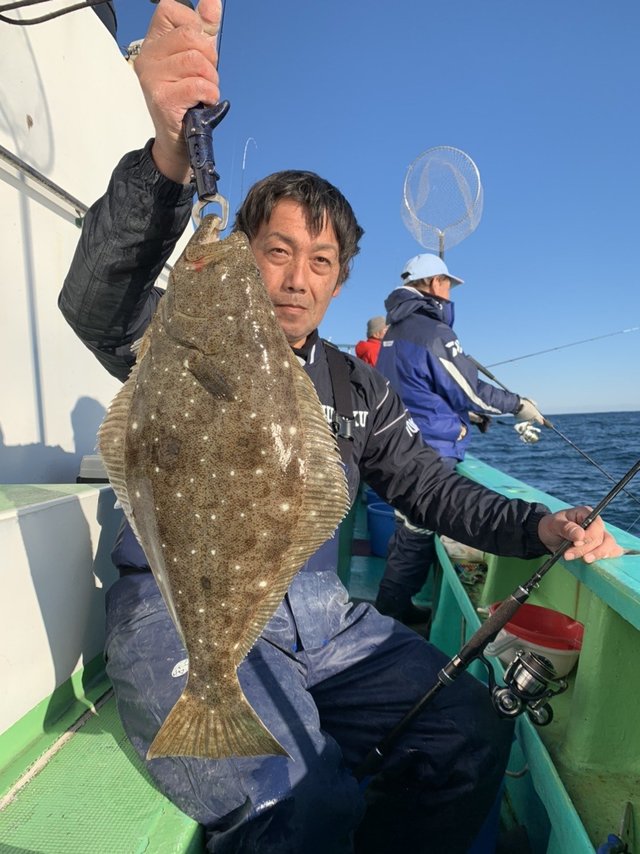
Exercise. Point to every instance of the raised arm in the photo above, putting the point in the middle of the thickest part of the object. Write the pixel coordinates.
(108, 295)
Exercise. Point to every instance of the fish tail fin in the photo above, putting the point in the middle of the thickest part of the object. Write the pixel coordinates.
(194, 728)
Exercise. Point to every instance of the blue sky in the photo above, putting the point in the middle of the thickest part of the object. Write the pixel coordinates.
(543, 97)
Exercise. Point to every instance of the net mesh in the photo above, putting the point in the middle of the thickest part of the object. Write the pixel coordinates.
(442, 198)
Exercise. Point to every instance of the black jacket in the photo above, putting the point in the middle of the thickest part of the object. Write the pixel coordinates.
(109, 297)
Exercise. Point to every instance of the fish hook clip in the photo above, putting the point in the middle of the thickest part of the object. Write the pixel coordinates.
(198, 125)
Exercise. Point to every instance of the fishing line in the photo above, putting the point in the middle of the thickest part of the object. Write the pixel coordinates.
(552, 426)
(24, 3)
(563, 346)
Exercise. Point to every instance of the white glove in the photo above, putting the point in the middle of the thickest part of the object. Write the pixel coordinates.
(528, 411)
(528, 433)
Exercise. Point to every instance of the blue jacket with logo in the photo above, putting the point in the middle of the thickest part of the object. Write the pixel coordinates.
(425, 364)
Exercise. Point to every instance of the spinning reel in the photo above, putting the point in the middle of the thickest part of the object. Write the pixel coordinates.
(530, 680)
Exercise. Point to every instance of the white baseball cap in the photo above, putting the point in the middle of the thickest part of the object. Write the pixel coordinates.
(425, 266)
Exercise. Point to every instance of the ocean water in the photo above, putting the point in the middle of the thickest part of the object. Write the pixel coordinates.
(612, 439)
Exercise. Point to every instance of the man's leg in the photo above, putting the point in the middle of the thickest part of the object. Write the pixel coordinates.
(409, 558)
(271, 805)
(411, 552)
(439, 782)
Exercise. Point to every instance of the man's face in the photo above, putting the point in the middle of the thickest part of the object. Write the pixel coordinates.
(300, 270)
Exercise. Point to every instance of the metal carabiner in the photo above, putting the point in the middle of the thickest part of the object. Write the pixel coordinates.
(198, 125)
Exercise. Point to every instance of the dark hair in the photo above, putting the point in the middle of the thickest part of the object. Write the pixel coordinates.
(320, 200)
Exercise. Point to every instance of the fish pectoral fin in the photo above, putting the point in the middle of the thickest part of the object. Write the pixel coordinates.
(209, 378)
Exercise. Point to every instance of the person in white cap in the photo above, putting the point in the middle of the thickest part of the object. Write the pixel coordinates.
(426, 365)
(368, 350)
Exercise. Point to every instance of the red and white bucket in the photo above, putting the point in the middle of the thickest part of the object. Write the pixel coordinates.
(556, 636)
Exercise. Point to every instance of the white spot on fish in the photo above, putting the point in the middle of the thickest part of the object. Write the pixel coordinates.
(283, 452)
(285, 507)
(213, 516)
(193, 551)
(137, 493)
(200, 641)
(134, 426)
(253, 415)
(205, 438)
(157, 469)
(286, 364)
(293, 431)
(178, 495)
(262, 584)
(201, 610)
(232, 472)
(213, 551)
(259, 471)
(230, 317)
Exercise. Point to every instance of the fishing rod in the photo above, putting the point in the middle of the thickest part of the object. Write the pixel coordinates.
(553, 427)
(530, 678)
(564, 346)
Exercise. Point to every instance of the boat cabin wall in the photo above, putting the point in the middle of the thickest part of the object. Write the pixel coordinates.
(71, 107)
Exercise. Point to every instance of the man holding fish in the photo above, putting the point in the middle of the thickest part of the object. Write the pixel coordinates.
(325, 678)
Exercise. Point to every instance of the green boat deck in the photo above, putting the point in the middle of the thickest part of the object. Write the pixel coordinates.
(70, 782)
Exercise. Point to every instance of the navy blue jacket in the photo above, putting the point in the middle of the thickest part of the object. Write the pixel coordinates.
(425, 364)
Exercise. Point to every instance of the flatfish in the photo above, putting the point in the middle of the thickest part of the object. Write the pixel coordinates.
(219, 452)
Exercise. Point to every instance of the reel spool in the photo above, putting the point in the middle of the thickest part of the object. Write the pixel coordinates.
(442, 198)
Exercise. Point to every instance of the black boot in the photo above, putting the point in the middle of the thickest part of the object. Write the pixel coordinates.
(415, 616)
(401, 608)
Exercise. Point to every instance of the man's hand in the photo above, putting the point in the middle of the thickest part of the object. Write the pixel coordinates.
(528, 411)
(594, 543)
(177, 70)
(482, 422)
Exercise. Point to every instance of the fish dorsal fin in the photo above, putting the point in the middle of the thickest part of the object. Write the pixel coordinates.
(112, 446)
(111, 442)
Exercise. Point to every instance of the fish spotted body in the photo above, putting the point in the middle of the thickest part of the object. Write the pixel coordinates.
(219, 452)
